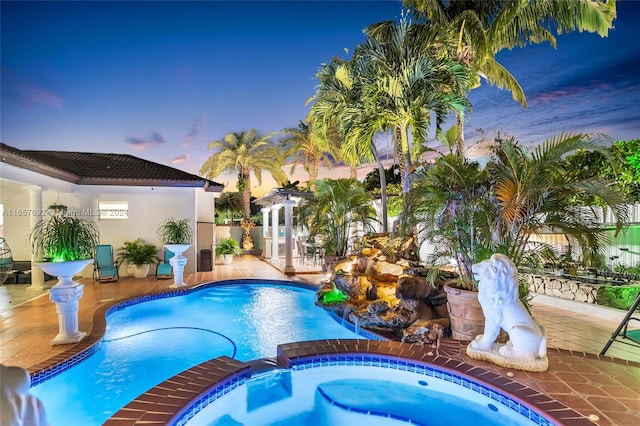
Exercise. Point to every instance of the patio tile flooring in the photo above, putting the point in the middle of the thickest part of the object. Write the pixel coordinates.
(583, 383)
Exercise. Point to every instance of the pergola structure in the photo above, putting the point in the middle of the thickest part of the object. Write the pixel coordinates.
(272, 202)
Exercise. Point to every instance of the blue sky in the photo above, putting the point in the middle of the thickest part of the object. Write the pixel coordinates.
(159, 80)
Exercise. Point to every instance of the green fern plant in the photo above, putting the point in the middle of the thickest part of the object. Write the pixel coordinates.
(228, 246)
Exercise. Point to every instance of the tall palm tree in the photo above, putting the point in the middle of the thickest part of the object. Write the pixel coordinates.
(485, 27)
(245, 152)
(311, 147)
(338, 105)
(415, 77)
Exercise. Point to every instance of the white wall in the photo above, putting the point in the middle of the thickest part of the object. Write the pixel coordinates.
(148, 207)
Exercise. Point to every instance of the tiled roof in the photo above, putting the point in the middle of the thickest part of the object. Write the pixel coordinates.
(85, 168)
(278, 195)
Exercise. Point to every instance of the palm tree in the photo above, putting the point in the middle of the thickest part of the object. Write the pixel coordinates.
(415, 76)
(475, 212)
(402, 76)
(311, 147)
(485, 27)
(245, 152)
(337, 103)
(229, 202)
(338, 207)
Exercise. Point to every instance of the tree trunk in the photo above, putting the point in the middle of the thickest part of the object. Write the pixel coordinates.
(383, 187)
(460, 138)
(244, 181)
(313, 175)
(397, 154)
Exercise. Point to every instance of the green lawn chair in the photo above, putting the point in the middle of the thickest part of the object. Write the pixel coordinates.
(105, 268)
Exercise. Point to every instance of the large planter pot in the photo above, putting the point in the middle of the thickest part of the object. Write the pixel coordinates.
(465, 313)
(139, 271)
(177, 262)
(226, 259)
(66, 295)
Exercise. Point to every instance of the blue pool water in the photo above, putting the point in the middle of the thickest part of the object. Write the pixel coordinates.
(150, 342)
(347, 393)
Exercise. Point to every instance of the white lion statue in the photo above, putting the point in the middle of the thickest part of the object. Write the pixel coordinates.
(498, 296)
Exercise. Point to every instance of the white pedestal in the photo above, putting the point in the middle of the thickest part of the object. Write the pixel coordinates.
(177, 262)
(66, 295)
(66, 299)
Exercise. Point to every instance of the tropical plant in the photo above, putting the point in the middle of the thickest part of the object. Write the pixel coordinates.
(401, 79)
(415, 79)
(486, 27)
(137, 253)
(311, 147)
(229, 205)
(228, 246)
(336, 103)
(339, 209)
(176, 231)
(473, 212)
(625, 171)
(59, 238)
(245, 152)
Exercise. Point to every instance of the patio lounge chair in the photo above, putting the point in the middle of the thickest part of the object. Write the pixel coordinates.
(105, 268)
(164, 270)
(304, 252)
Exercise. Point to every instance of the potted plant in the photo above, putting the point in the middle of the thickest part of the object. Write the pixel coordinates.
(226, 248)
(65, 244)
(470, 212)
(176, 235)
(138, 255)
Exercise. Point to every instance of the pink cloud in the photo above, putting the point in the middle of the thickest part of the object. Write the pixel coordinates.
(29, 95)
(180, 159)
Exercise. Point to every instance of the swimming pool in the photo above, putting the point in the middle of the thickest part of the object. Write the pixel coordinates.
(361, 391)
(146, 343)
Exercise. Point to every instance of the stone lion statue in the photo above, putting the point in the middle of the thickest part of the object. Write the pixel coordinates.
(498, 296)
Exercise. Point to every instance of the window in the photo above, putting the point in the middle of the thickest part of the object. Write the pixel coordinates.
(113, 210)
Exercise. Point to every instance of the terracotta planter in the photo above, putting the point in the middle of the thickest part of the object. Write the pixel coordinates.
(465, 313)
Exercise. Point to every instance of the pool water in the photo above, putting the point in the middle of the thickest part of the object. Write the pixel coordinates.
(355, 395)
(149, 342)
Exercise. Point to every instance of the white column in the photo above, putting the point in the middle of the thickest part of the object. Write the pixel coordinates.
(213, 238)
(35, 205)
(288, 234)
(377, 205)
(67, 301)
(274, 232)
(265, 221)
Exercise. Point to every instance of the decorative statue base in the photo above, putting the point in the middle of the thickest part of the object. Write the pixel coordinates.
(177, 263)
(66, 295)
(67, 301)
(498, 296)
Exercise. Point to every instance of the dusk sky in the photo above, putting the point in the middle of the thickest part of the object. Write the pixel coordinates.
(160, 80)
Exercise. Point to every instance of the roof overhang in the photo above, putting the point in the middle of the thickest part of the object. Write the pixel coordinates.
(278, 195)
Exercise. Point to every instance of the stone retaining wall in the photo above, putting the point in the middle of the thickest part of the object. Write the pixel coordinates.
(617, 296)
(563, 288)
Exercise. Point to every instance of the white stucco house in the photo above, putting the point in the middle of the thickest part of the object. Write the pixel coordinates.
(143, 194)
